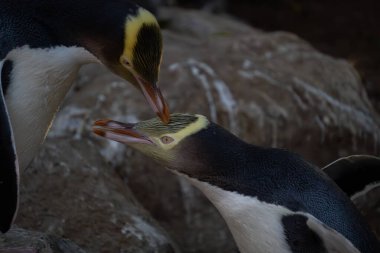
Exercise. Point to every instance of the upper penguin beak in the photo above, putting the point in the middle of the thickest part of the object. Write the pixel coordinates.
(120, 132)
(154, 97)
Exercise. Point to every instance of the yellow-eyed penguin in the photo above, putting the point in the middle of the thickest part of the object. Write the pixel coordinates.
(42, 46)
(271, 199)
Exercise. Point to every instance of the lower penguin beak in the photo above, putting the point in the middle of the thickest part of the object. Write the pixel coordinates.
(120, 132)
(154, 97)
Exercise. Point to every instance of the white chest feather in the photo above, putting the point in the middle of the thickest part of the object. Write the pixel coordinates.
(40, 79)
(255, 225)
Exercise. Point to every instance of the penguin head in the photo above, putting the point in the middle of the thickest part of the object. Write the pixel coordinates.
(125, 37)
(140, 60)
(133, 51)
(179, 145)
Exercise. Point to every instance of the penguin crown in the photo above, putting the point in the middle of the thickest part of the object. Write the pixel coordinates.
(178, 123)
(170, 135)
(142, 45)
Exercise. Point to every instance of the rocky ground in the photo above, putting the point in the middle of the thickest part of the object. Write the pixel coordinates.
(271, 89)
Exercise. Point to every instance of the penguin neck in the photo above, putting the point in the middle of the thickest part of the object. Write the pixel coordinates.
(39, 81)
(216, 156)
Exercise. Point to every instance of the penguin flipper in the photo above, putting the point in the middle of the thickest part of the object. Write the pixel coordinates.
(353, 173)
(9, 171)
(332, 240)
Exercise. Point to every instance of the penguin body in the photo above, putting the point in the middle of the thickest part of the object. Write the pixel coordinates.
(43, 45)
(258, 226)
(33, 102)
(271, 199)
(356, 174)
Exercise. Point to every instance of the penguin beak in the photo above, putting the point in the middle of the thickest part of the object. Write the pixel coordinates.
(120, 132)
(154, 97)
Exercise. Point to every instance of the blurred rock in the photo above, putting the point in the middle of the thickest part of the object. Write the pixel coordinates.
(153, 5)
(70, 191)
(368, 202)
(268, 87)
(35, 242)
(207, 5)
(271, 89)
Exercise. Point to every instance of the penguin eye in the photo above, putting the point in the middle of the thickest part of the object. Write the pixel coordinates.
(166, 139)
(127, 63)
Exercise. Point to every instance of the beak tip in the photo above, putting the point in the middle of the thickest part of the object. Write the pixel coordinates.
(99, 132)
(101, 122)
(164, 116)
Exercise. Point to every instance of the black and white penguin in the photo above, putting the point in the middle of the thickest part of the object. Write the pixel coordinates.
(271, 199)
(43, 44)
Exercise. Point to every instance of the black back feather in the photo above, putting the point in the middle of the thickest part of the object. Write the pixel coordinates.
(8, 170)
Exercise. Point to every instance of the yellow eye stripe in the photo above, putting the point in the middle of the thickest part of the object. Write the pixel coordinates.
(200, 123)
(132, 26)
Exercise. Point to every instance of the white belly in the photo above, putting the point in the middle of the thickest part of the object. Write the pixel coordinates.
(40, 80)
(255, 225)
